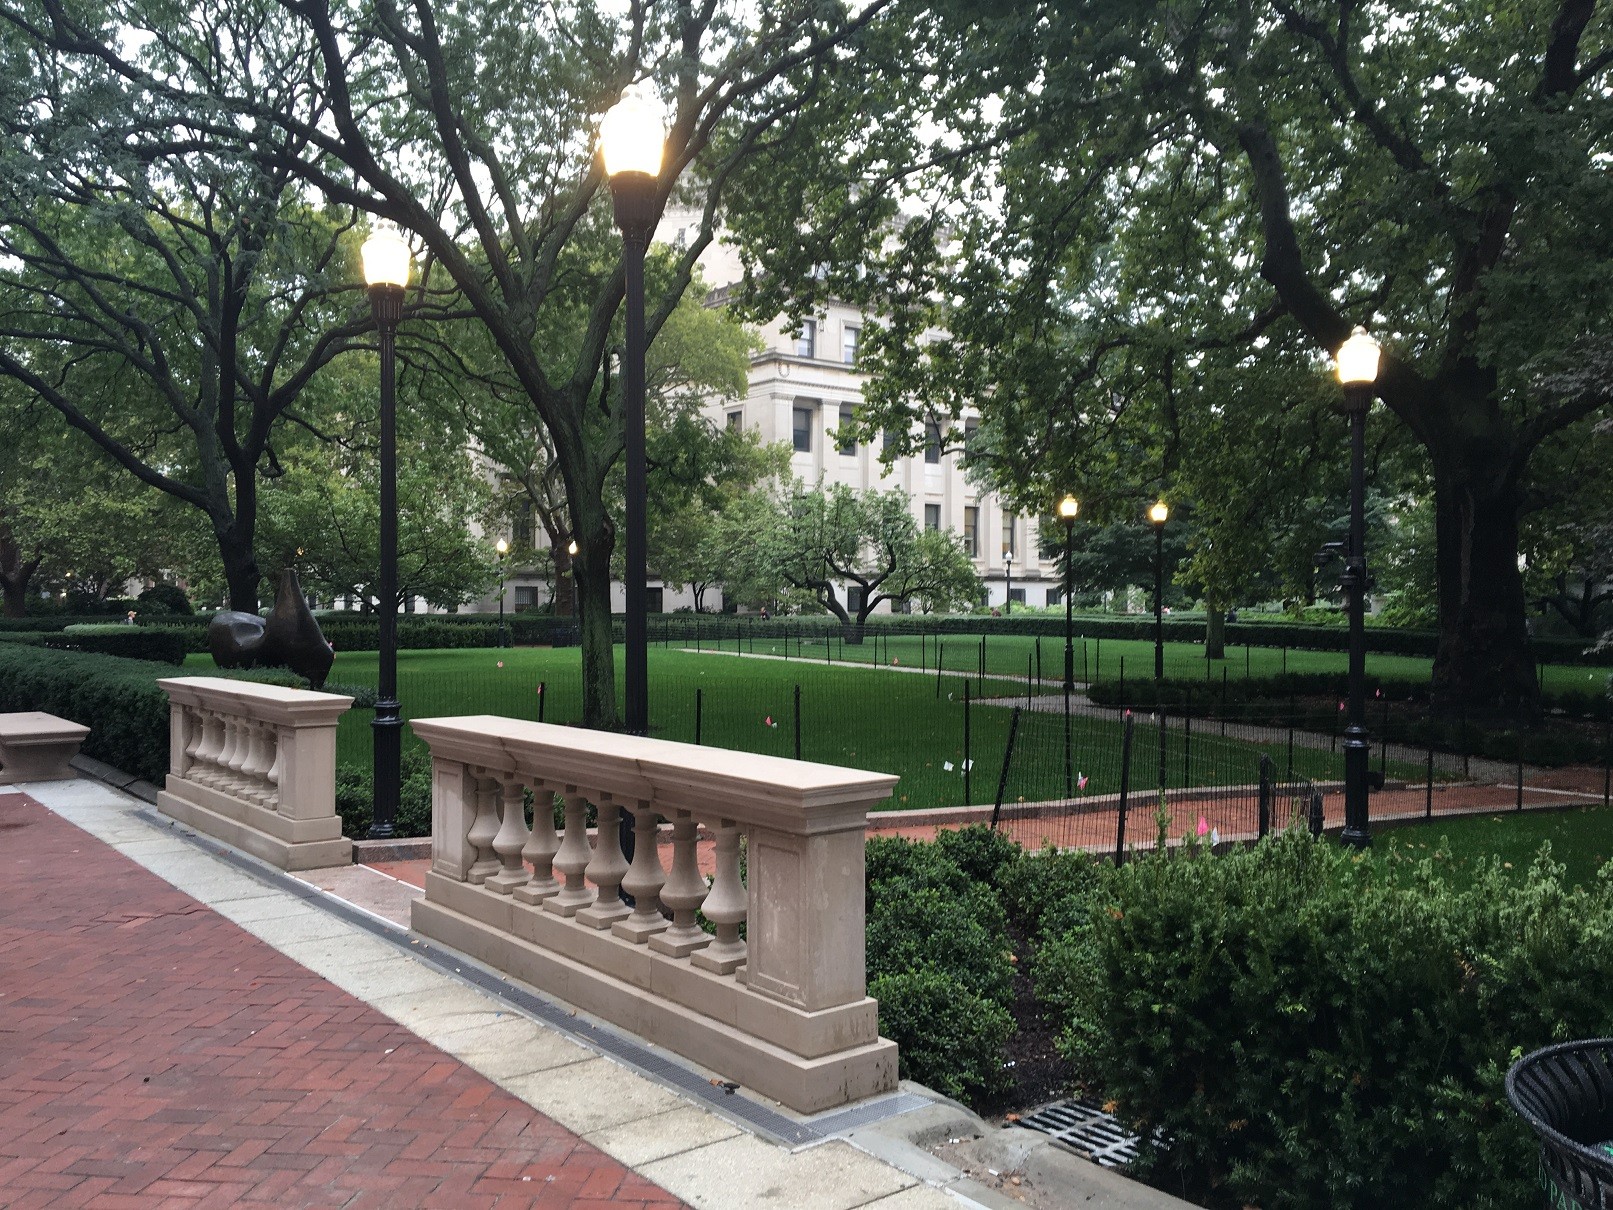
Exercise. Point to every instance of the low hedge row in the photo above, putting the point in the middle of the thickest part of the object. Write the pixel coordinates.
(130, 642)
(1290, 1026)
(117, 699)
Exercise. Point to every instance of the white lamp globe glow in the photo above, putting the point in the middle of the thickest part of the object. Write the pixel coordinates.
(386, 259)
(632, 135)
(502, 547)
(1358, 359)
(1069, 507)
(1159, 513)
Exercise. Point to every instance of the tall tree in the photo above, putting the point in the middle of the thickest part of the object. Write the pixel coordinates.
(470, 125)
(173, 297)
(1178, 184)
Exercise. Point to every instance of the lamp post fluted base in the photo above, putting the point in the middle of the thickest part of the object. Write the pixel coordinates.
(388, 739)
(1357, 754)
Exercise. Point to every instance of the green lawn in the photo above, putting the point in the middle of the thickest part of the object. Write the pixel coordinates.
(895, 722)
(1017, 656)
(1581, 839)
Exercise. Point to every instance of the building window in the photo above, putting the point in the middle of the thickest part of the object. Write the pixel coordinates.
(1055, 596)
(970, 428)
(803, 430)
(1008, 536)
(932, 443)
(526, 597)
(736, 419)
(652, 601)
(932, 516)
(806, 345)
(847, 445)
(889, 442)
(971, 530)
(849, 338)
(1016, 595)
(855, 595)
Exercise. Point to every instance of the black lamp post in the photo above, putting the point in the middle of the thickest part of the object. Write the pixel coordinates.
(1068, 508)
(1358, 372)
(386, 273)
(1008, 576)
(633, 141)
(1158, 514)
(503, 549)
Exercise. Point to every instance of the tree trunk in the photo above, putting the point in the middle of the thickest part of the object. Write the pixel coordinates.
(16, 596)
(15, 574)
(241, 574)
(1483, 661)
(591, 570)
(1215, 631)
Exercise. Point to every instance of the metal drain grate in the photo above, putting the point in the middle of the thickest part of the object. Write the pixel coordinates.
(1085, 1128)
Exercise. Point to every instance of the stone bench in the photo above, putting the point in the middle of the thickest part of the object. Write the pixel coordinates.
(35, 746)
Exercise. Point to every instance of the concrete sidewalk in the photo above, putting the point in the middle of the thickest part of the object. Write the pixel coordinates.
(482, 1092)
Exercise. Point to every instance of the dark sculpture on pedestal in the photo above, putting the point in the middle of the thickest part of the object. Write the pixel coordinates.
(288, 638)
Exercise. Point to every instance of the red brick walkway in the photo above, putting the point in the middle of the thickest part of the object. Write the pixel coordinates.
(154, 1054)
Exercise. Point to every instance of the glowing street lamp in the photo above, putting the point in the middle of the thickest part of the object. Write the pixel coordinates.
(632, 140)
(386, 272)
(503, 548)
(1158, 514)
(1358, 359)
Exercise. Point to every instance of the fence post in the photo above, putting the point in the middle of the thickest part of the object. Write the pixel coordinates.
(1607, 762)
(1466, 766)
(1002, 778)
(1317, 814)
(1164, 726)
(1085, 675)
(982, 681)
(1290, 749)
(1383, 741)
(1097, 659)
(1028, 682)
(1285, 660)
(697, 633)
(543, 698)
(1187, 748)
(1038, 658)
(1246, 661)
(1428, 793)
(1125, 791)
(968, 792)
(924, 652)
(1264, 824)
(940, 650)
(1122, 678)
(1069, 780)
(798, 722)
(1520, 770)
(699, 704)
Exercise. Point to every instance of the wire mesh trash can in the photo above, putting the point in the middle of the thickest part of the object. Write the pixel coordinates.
(1565, 1093)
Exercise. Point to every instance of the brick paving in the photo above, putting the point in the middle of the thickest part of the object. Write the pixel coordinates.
(154, 1054)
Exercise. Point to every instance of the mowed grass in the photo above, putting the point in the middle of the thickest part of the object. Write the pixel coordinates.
(1021, 656)
(884, 720)
(1581, 839)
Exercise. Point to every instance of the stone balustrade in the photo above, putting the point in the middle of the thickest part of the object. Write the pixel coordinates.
(774, 998)
(255, 766)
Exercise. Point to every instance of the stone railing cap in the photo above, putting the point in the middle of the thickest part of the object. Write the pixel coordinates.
(790, 794)
(278, 702)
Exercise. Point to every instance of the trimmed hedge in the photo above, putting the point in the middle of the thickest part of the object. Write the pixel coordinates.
(1290, 1026)
(117, 699)
(130, 642)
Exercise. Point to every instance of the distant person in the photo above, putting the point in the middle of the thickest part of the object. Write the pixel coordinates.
(765, 614)
(129, 621)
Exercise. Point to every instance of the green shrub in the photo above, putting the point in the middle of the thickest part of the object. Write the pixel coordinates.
(889, 858)
(1045, 890)
(117, 699)
(130, 642)
(166, 598)
(951, 1039)
(355, 798)
(1291, 1025)
(979, 852)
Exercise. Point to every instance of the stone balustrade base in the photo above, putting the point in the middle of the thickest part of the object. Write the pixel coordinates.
(696, 1014)
(303, 844)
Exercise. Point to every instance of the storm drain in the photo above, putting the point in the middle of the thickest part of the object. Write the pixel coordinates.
(1086, 1129)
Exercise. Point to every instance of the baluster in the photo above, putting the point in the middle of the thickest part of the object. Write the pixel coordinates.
(541, 846)
(725, 906)
(571, 860)
(482, 830)
(227, 756)
(684, 892)
(195, 725)
(645, 878)
(512, 834)
(272, 800)
(212, 747)
(256, 764)
(606, 870)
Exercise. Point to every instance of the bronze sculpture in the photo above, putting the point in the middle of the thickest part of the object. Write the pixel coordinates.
(289, 637)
